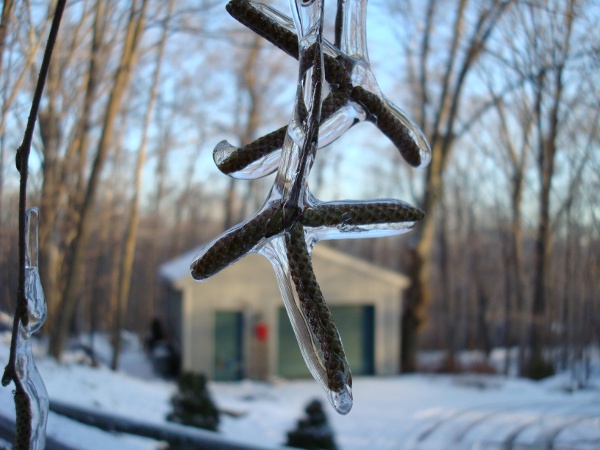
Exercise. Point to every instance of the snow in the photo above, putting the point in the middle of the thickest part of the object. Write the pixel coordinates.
(179, 267)
(402, 412)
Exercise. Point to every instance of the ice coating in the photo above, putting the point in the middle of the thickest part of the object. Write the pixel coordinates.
(275, 252)
(292, 220)
(362, 91)
(400, 221)
(330, 129)
(300, 291)
(287, 23)
(26, 370)
(354, 47)
(353, 34)
(415, 132)
(300, 144)
(36, 301)
(258, 168)
(275, 231)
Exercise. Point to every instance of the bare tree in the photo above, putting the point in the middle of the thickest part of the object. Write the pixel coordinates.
(17, 24)
(60, 150)
(5, 23)
(122, 77)
(548, 88)
(534, 122)
(513, 160)
(132, 226)
(248, 86)
(443, 102)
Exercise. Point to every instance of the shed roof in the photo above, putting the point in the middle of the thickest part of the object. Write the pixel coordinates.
(179, 267)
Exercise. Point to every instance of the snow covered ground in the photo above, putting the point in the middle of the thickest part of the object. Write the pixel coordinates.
(404, 412)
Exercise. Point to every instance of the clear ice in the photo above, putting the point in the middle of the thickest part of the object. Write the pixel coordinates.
(290, 207)
(353, 49)
(26, 370)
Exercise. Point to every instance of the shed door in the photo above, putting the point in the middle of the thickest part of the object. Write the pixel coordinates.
(356, 326)
(228, 345)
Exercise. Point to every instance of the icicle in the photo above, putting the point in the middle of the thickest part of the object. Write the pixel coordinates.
(357, 94)
(258, 168)
(26, 370)
(275, 252)
(316, 333)
(331, 129)
(340, 397)
(342, 219)
(291, 220)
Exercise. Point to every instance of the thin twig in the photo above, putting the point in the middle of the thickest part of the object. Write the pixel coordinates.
(22, 161)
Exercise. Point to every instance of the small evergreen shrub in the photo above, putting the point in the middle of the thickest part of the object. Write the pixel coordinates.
(192, 404)
(539, 369)
(312, 431)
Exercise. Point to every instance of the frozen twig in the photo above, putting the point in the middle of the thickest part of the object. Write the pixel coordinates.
(31, 406)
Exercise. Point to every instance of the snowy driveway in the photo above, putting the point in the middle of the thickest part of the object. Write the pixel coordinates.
(427, 413)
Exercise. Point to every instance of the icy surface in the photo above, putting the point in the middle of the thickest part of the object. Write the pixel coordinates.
(341, 400)
(276, 254)
(353, 50)
(257, 169)
(26, 369)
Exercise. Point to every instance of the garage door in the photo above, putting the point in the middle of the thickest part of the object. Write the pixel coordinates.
(356, 327)
(228, 345)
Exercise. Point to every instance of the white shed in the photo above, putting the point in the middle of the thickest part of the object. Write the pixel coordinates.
(234, 325)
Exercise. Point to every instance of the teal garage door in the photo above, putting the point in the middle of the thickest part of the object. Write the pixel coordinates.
(228, 345)
(356, 327)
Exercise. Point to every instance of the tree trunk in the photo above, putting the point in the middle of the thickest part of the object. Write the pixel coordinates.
(538, 366)
(247, 83)
(5, 21)
(132, 226)
(442, 135)
(9, 97)
(449, 303)
(50, 252)
(121, 83)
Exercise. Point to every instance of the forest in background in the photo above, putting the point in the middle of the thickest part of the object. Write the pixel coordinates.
(140, 91)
